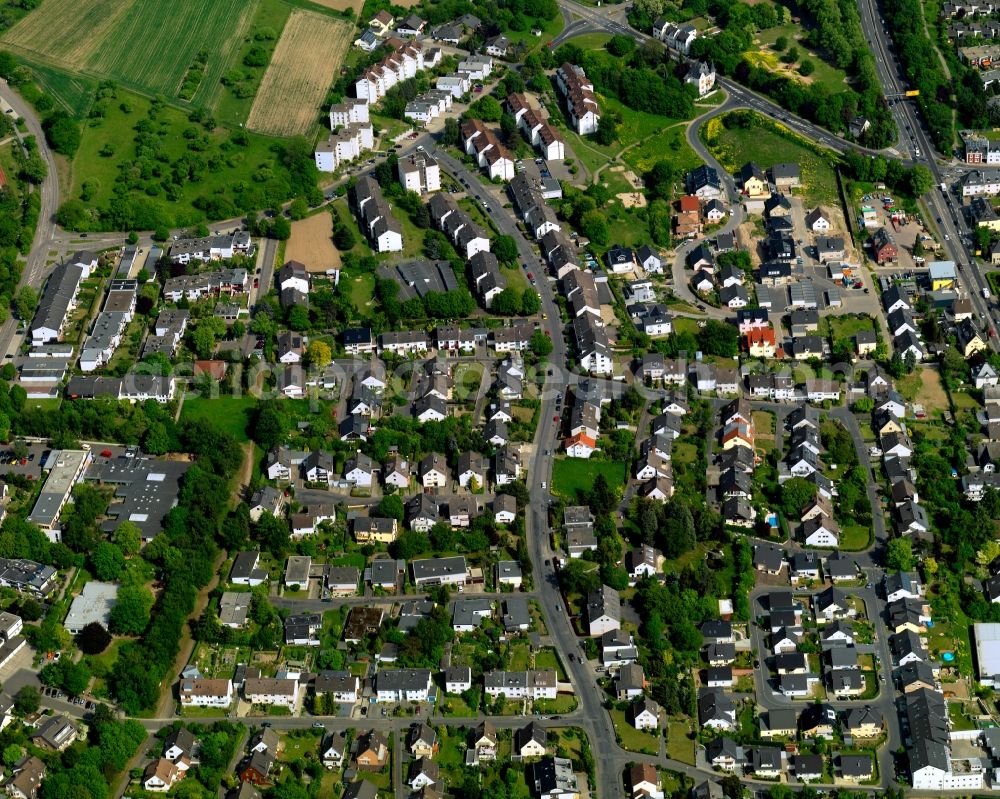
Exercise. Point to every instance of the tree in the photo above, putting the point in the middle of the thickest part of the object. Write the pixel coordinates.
(594, 226)
(270, 426)
(343, 237)
(128, 537)
(390, 507)
(620, 45)
(12, 755)
(899, 554)
(409, 544)
(130, 615)
(318, 353)
(27, 700)
(298, 318)
(25, 302)
(541, 344)
(93, 639)
(660, 180)
(62, 133)
(795, 495)
(531, 303)
(107, 561)
(75, 677)
(780, 43)
(504, 248)
(921, 180)
(486, 108)
(806, 68)
(507, 302)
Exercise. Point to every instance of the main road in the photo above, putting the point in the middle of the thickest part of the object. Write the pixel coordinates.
(947, 212)
(33, 274)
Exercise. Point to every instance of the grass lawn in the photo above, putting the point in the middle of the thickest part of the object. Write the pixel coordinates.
(548, 659)
(632, 739)
(456, 707)
(518, 658)
(951, 635)
(679, 745)
(635, 126)
(231, 414)
(685, 452)
(684, 325)
(855, 537)
(959, 718)
(297, 745)
(735, 146)
(909, 386)
(550, 30)
(570, 475)
(590, 41)
(563, 703)
(963, 400)
(847, 326)
(361, 288)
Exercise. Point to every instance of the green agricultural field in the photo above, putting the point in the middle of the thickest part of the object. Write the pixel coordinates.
(570, 475)
(192, 26)
(146, 45)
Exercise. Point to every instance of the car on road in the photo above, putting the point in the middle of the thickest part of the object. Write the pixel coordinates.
(531, 276)
(555, 419)
(319, 725)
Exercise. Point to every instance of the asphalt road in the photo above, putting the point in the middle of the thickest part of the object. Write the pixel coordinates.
(34, 271)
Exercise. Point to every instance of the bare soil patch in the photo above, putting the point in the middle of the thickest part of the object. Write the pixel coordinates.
(631, 199)
(311, 243)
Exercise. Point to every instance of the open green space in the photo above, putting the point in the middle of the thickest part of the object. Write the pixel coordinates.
(847, 326)
(825, 73)
(679, 745)
(669, 144)
(590, 41)
(762, 144)
(570, 475)
(632, 739)
(549, 31)
(217, 164)
(231, 414)
(854, 537)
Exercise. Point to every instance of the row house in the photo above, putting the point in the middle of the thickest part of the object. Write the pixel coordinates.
(375, 216)
(224, 282)
(584, 112)
(491, 155)
(402, 64)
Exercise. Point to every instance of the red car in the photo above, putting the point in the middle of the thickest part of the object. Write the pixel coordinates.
(530, 276)
(555, 419)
